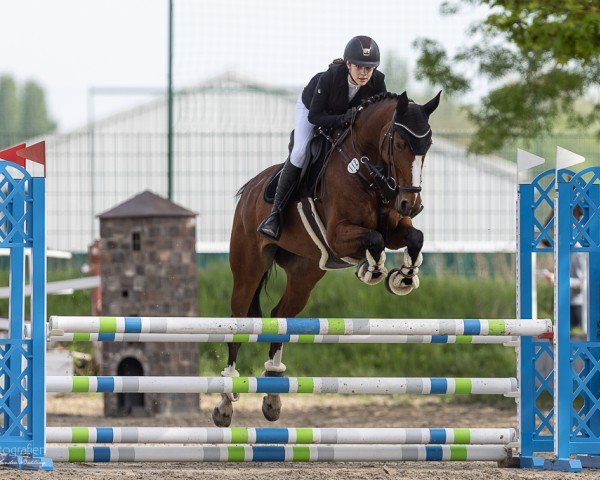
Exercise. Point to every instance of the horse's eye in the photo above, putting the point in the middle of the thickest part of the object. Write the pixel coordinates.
(399, 145)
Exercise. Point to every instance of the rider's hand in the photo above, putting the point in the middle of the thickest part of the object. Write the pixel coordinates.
(346, 118)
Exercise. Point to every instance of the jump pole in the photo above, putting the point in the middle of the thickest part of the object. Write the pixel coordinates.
(296, 326)
(423, 436)
(280, 453)
(266, 338)
(343, 385)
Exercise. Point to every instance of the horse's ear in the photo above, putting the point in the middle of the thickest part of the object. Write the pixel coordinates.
(432, 104)
(402, 105)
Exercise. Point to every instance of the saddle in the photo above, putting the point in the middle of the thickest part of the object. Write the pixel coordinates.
(318, 151)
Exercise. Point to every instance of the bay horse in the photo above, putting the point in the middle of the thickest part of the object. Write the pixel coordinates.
(370, 189)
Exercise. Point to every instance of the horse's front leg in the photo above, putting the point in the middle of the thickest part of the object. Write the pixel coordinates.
(223, 412)
(274, 367)
(351, 241)
(403, 280)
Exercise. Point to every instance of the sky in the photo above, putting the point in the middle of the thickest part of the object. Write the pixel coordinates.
(71, 46)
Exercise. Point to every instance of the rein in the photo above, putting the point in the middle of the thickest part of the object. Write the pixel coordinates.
(386, 187)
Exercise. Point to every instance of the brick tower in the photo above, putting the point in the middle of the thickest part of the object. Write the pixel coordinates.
(148, 269)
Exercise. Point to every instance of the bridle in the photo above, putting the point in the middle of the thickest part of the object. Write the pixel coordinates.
(386, 186)
(390, 150)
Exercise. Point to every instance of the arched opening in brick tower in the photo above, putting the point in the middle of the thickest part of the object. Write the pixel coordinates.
(130, 404)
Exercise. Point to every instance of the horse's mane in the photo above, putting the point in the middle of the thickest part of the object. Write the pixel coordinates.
(378, 98)
(238, 194)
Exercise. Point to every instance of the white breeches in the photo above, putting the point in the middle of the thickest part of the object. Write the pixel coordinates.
(303, 132)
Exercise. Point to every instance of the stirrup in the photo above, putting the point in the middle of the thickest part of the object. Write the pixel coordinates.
(270, 226)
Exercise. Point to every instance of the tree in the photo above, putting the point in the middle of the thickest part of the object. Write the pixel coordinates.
(397, 75)
(539, 55)
(9, 112)
(23, 112)
(34, 114)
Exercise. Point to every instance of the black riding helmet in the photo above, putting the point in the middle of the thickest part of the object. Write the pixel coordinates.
(362, 51)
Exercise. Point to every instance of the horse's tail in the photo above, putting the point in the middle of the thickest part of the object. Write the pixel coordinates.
(254, 310)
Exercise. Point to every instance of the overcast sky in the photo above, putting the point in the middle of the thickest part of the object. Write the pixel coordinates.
(69, 46)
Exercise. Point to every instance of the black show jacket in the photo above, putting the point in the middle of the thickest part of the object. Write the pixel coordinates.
(326, 95)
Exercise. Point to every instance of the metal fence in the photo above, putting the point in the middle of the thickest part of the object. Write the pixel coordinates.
(469, 199)
(229, 126)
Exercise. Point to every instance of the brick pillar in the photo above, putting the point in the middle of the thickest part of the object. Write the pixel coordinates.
(148, 268)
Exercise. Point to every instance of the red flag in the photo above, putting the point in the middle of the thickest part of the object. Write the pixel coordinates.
(10, 154)
(36, 153)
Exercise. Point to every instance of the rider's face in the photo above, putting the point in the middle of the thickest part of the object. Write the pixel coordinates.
(361, 75)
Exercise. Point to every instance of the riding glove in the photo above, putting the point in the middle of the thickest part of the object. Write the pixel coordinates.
(346, 118)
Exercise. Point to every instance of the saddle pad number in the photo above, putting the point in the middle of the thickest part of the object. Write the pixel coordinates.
(353, 166)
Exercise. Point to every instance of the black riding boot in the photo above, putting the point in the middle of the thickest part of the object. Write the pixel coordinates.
(270, 227)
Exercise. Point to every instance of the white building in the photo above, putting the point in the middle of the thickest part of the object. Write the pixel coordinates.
(226, 131)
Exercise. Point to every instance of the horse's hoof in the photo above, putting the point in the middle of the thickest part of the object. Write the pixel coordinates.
(221, 419)
(271, 407)
(398, 284)
(223, 412)
(369, 277)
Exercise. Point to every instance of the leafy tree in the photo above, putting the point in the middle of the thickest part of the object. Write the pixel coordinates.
(539, 55)
(34, 114)
(9, 111)
(23, 112)
(449, 115)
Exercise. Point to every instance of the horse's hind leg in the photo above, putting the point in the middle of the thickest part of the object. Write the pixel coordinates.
(223, 411)
(249, 268)
(274, 367)
(302, 275)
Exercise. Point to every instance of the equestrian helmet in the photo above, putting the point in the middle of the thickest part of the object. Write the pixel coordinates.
(362, 51)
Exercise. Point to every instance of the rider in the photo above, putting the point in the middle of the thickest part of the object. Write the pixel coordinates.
(327, 101)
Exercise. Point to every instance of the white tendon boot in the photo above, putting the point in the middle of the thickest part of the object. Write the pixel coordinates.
(370, 271)
(276, 367)
(403, 280)
(230, 371)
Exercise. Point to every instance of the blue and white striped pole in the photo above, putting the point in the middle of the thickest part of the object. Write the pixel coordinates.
(280, 453)
(268, 338)
(343, 385)
(299, 326)
(423, 436)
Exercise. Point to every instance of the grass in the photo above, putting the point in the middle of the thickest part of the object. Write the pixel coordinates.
(340, 294)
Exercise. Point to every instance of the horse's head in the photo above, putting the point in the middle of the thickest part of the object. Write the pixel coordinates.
(409, 138)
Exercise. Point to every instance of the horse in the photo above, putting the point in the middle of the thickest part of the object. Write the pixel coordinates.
(370, 189)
